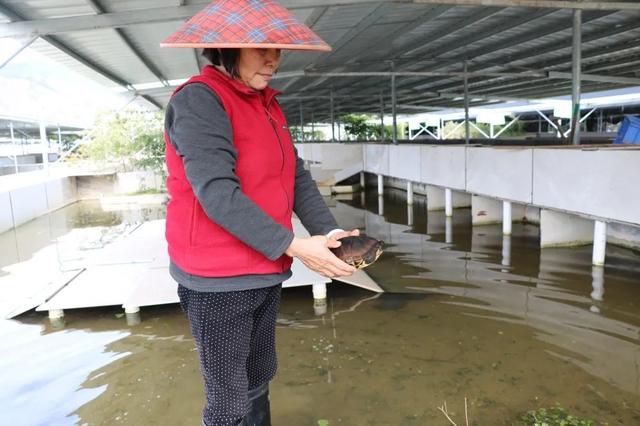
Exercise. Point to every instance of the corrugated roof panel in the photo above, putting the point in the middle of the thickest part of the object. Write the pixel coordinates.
(459, 32)
(44, 48)
(41, 9)
(343, 18)
(105, 48)
(173, 63)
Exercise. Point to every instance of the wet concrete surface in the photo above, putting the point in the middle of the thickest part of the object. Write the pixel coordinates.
(467, 313)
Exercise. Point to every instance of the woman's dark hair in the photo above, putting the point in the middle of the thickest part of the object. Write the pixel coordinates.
(228, 58)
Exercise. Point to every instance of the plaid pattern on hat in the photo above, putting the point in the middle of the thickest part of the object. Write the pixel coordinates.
(245, 23)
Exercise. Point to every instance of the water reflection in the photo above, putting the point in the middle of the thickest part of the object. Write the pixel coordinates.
(37, 258)
(551, 290)
(468, 313)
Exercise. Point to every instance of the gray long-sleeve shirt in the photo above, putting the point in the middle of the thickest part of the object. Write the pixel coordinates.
(201, 133)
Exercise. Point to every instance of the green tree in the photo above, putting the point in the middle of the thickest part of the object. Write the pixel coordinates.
(358, 127)
(309, 135)
(129, 138)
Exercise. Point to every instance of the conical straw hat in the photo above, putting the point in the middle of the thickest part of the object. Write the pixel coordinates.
(245, 23)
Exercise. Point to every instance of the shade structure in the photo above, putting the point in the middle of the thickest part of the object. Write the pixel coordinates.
(245, 23)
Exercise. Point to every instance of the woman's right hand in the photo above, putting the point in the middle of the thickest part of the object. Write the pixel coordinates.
(315, 254)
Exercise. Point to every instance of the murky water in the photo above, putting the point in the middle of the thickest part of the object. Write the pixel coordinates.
(467, 314)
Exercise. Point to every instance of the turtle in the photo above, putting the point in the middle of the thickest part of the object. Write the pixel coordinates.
(360, 251)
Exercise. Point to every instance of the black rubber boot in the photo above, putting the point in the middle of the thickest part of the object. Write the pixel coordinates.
(260, 412)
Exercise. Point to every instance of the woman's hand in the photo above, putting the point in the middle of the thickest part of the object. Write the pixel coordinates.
(338, 235)
(315, 254)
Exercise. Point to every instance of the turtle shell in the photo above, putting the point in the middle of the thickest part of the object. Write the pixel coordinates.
(360, 251)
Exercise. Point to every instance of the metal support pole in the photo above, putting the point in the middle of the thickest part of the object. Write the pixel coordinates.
(333, 118)
(599, 242)
(394, 105)
(466, 104)
(600, 121)
(56, 318)
(56, 314)
(320, 298)
(380, 184)
(301, 124)
(506, 218)
(597, 283)
(448, 203)
(382, 135)
(409, 214)
(132, 314)
(409, 192)
(448, 230)
(13, 147)
(45, 143)
(506, 250)
(380, 205)
(576, 71)
(539, 126)
(23, 44)
(362, 180)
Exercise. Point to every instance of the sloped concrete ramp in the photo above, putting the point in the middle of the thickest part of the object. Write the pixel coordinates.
(132, 271)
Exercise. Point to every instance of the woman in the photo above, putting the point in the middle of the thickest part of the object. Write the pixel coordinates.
(234, 181)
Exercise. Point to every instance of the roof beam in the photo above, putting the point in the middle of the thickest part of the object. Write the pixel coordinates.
(23, 44)
(552, 4)
(517, 41)
(593, 77)
(425, 74)
(127, 18)
(371, 18)
(430, 37)
(49, 26)
(586, 55)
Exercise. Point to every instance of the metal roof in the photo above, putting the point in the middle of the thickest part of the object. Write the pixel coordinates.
(512, 52)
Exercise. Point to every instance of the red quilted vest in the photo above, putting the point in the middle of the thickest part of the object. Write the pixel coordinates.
(265, 165)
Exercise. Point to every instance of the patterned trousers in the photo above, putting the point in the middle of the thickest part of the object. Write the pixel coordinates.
(235, 337)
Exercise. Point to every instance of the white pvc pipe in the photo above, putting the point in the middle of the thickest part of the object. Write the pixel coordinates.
(506, 250)
(409, 192)
(133, 318)
(599, 242)
(131, 309)
(409, 215)
(320, 291)
(380, 184)
(362, 182)
(597, 283)
(448, 230)
(507, 218)
(380, 205)
(56, 314)
(320, 298)
(448, 203)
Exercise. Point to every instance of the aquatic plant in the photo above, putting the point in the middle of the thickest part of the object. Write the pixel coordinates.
(554, 416)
